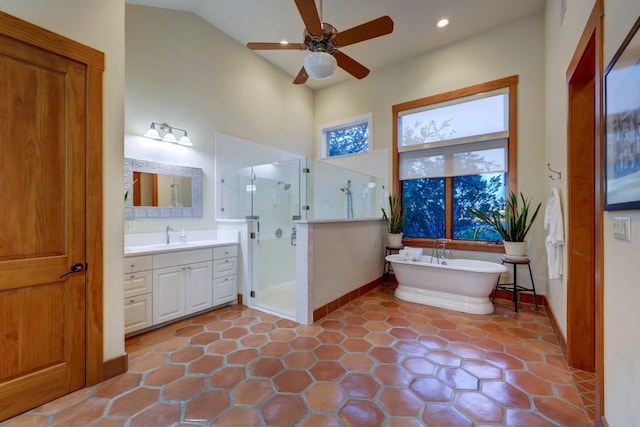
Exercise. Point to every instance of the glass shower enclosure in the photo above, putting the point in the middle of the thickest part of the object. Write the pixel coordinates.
(273, 197)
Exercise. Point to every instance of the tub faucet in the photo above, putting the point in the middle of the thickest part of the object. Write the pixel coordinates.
(169, 228)
(441, 251)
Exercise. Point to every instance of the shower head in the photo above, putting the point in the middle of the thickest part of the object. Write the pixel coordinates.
(285, 185)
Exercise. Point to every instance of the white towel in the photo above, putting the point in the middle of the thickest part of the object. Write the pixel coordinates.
(554, 225)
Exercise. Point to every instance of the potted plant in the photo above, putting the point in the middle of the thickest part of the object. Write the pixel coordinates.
(394, 221)
(513, 224)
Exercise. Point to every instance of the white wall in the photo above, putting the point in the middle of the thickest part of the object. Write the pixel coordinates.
(99, 24)
(621, 268)
(325, 255)
(621, 271)
(195, 77)
(514, 49)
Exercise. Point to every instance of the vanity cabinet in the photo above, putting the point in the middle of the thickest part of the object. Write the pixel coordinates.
(137, 293)
(182, 283)
(170, 285)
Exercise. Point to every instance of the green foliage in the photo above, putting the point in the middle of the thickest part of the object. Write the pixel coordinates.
(126, 192)
(396, 215)
(350, 140)
(513, 224)
(424, 205)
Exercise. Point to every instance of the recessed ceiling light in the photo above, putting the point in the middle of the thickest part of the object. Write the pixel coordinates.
(443, 23)
(284, 42)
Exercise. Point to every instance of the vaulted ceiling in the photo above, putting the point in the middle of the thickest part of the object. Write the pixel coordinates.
(414, 31)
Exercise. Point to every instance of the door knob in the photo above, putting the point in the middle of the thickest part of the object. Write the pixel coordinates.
(75, 268)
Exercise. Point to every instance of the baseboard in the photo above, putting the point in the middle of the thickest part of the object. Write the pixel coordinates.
(556, 330)
(320, 312)
(525, 297)
(114, 367)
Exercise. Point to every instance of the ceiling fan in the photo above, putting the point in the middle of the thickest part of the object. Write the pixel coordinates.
(324, 43)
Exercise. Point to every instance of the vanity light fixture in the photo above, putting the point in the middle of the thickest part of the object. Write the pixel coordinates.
(164, 132)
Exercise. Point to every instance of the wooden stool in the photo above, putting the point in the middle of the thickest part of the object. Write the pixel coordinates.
(514, 287)
(387, 265)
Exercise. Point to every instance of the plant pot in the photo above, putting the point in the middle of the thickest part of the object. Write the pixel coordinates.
(394, 239)
(515, 248)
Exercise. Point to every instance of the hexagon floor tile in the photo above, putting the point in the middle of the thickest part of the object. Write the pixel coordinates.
(376, 361)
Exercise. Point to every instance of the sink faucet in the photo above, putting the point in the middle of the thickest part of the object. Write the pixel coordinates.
(169, 228)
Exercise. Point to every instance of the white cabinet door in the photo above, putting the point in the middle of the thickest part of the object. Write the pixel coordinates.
(168, 293)
(199, 282)
(137, 313)
(224, 289)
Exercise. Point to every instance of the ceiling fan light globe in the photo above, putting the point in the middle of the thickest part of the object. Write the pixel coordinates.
(320, 65)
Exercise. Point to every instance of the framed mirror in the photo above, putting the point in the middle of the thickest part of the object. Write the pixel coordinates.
(160, 190)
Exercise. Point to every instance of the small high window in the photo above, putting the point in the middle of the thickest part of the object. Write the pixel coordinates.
(351, 136)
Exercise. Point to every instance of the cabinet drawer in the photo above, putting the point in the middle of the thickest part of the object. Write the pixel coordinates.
(225, 289)
(137, 313)
(137, 283)
(225, 267)
(225, 251)
(137, 263)
(170, 259)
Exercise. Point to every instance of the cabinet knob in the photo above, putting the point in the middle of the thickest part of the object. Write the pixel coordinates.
(133, 276)
(226, 279)
(133, 265)
(132, 301)
(226, 260)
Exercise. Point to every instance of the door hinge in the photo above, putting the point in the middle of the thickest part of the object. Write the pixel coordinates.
(306, 170)
(253, 235)
(306, 207)
(253, 294)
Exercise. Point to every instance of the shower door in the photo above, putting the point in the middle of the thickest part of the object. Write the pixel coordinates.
(275, 204)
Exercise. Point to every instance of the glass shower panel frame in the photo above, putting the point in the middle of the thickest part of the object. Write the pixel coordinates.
(275, 206)
(338, 193)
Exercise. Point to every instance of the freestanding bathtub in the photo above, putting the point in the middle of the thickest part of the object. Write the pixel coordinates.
(462, 284)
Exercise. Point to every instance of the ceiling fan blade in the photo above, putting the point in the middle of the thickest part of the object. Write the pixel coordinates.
(368, 30)
(310, 17)
(275, 46)
(351, 66)
(301, 77)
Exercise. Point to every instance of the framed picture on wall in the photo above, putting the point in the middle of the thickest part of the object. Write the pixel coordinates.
(622, 125)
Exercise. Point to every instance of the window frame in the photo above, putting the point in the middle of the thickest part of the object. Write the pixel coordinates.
(510, 83)
(346, 124)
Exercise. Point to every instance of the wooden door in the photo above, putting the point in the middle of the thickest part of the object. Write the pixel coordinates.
(42, 227)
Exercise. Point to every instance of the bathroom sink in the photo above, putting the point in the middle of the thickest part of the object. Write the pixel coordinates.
(173, 245)
(161, 247)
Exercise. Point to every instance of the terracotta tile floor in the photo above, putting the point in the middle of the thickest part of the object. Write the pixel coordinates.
(376, 362)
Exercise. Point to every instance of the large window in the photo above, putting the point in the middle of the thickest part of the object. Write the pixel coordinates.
(351, 136)
(452, 152)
